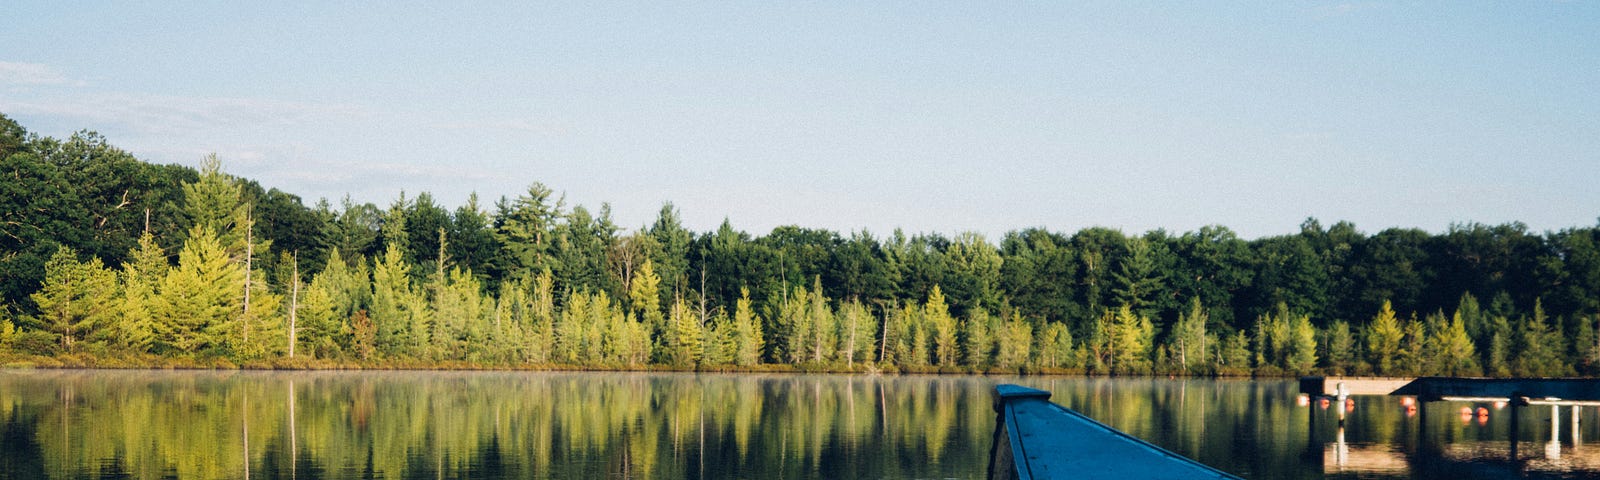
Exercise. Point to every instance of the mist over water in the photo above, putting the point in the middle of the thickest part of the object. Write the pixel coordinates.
(581, 425)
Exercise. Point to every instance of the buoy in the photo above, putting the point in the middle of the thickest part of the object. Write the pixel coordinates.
(1408, 401)
(1483, 412)
(1466, 410)
(1304, 400)
(1323, 403)
(1499, 405)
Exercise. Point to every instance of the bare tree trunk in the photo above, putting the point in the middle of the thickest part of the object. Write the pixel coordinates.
(294, 305)
(249, 254)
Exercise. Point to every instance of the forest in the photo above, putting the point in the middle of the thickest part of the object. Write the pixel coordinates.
(107, 260)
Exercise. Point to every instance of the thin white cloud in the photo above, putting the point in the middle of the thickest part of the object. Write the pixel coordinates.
(167, 114)
(520, 126)
(20, 73)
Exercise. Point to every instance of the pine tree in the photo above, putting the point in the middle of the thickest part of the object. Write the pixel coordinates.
(1137, 277)
(1339, 351)
(1132, 335)
(682, 345)
(1055, 345)
(794, 322)
(1540, 347)
(319, 332)
(857, 328)
(1015, 343)
(644, 296)
(146, 265)
(1455, 350)
(746, 332)
(1384, 335)
(391, 302)
(200, 298)
(1302, 345)
(823, 331)
(1499, 356)
(937, 315)
(1233, 356)
(77, 300)
(977, 346)
(1189, 337)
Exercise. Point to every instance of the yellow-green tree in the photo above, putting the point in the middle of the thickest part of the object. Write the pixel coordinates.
(141, 273)
(747, 336)
(857, 332)
(937, 315)
(644, 295)
(1189, 340)
(392, 303)
(1384, 334)
(978, 341)
(1302, 346)
(77, 299)
(1129, 341)
(682, 344)
(1055, 345)
(200, 298)
(1454, 349)
(1015, 343)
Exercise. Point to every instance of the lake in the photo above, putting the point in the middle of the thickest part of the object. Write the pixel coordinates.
(561, 425)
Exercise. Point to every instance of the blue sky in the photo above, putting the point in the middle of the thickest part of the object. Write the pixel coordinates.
(933, 117)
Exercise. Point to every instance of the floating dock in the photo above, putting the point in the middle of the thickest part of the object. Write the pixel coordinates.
(1517, 391)
(1035, 439)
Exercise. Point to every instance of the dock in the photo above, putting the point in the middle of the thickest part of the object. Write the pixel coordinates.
(1035, 439)
(1516, 393)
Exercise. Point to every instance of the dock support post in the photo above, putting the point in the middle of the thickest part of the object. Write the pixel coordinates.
(1512, 405)
(1344, 395)
(1577, 434)
(1552, 450)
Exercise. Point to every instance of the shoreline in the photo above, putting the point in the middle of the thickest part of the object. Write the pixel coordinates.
(87, 362)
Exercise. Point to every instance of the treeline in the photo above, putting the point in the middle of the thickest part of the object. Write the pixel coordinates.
(105, 256)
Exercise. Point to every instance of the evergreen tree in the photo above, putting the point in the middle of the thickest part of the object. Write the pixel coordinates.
(1455, 349)
(1137, 279)
(644, 296)
(791, 322)
(1540, 347)
(78, 300)
(1130, 337)
(746, 332)
(823, 331)
(1384, 335)
(1189, 338)
(1302, 345)
(1015, 343)
(1340, 350)
(857, 331)
(200, 298)
(1499, 356)
(141, 274)
(937, 315)
(682, 346)
(978, 343)
(1055, 345)
(1233, 355)
(392, 303)
(320, 331)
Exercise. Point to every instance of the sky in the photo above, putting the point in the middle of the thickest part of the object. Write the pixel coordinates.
(941, 117)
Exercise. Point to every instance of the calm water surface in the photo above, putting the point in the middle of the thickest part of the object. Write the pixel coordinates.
(121, 424)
